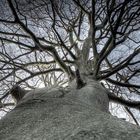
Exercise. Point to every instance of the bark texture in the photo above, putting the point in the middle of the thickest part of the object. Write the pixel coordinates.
(60, 114)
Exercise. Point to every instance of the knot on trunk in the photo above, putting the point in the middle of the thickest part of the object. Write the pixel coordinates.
(79, 81)
(17, 93)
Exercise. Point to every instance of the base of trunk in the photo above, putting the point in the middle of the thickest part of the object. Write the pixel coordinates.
(62, 118)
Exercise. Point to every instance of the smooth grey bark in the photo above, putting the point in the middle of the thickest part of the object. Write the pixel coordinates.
(62, 114)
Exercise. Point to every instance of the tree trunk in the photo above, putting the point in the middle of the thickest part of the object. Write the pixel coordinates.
(62, 114)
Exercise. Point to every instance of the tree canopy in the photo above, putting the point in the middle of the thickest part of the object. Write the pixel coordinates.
(52, 42)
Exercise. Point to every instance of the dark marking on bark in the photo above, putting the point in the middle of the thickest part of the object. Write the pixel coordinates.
(102, 85)
(79, 81)
(17, 93)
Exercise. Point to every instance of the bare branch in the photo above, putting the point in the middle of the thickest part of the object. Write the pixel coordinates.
(116, 99)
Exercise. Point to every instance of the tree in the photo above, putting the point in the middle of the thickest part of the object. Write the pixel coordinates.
(85, 53)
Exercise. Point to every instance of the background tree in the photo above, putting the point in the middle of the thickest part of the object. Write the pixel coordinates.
(71, 44)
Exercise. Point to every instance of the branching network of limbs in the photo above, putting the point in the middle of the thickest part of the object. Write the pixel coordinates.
(53, 42)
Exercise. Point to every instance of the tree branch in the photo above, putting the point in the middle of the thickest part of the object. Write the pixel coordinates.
(122, 65)
(37, 43)
(122, 84)
(126, 103)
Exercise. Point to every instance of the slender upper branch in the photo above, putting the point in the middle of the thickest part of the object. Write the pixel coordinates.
(122, 84)
(124, 102)
(38, 45)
